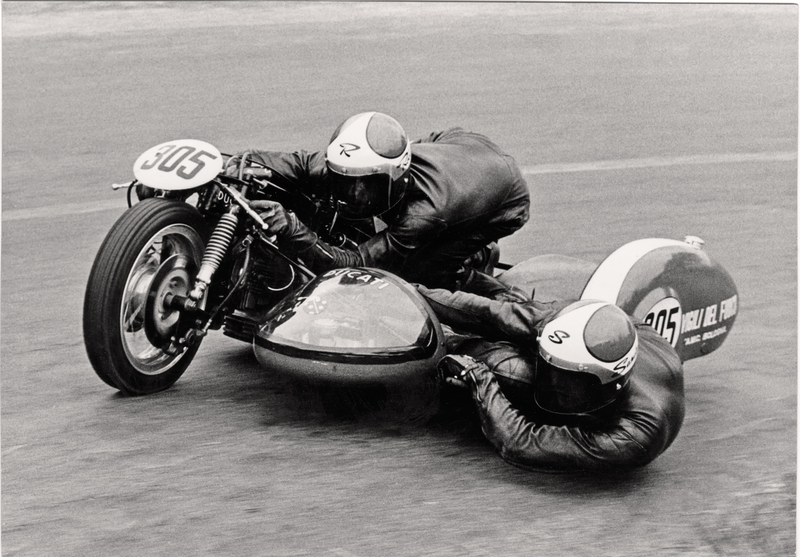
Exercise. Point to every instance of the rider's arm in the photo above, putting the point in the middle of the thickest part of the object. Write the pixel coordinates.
(386, 250)
(318, 255)
(306, 171)
(302, 169)
(491, 319)
(417, 226)
(633, 439)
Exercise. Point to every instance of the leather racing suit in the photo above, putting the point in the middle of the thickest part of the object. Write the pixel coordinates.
(464, 192)
(632, 432)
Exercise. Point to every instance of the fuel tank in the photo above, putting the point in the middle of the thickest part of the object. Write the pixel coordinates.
(352, 326)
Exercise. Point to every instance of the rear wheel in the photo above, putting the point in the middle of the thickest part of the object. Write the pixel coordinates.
(151, 253)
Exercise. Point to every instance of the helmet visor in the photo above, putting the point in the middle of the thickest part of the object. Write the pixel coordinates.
(569, 392)
(361, 196)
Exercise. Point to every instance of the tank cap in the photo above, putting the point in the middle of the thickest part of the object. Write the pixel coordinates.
(694, 241)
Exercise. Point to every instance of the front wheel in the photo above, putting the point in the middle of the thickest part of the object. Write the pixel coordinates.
(156, 241)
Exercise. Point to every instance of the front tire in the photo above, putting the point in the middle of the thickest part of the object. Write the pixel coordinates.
(114, 311)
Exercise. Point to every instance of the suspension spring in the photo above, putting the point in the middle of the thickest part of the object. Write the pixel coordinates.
(215, 251)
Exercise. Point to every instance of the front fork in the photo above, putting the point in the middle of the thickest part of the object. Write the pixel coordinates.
(221, 238)
(194, 322)
(218, 246)
(215, 251)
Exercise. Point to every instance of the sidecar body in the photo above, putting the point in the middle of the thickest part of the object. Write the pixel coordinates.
(359, 325)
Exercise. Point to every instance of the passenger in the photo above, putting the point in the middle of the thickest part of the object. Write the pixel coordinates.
(562, 385)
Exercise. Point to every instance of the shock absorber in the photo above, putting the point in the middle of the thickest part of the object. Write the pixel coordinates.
(215, 250)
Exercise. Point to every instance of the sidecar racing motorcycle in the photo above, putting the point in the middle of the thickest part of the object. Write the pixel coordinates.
(192, 256)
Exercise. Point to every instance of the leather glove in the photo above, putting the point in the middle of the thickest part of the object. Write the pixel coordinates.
(277, 218)
(457, 369)
(316, 254)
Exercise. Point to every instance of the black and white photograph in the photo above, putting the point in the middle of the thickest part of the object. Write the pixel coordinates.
(369, 279)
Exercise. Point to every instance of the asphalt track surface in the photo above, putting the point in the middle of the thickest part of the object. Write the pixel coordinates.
(630, 121)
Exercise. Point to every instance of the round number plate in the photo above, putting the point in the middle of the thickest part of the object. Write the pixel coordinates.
(178, 165)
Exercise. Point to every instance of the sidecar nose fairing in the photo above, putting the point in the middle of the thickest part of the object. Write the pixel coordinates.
(352, 325)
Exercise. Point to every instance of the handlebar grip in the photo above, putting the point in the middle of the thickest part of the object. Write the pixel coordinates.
(258, 172)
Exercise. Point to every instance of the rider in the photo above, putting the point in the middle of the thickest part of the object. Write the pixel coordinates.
(563, 385)
(434, 202)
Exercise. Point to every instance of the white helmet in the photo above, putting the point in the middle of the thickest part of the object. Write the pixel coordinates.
(368, 158)
(586, 354)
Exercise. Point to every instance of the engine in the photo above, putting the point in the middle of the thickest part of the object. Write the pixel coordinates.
(269, 279)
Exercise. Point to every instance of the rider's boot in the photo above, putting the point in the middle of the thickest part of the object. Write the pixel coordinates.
(476, 282)
(485, 259)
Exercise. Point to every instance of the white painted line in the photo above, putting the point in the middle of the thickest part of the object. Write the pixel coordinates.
(653, 162)
(65, 209)
(342, 552)
(120, 204)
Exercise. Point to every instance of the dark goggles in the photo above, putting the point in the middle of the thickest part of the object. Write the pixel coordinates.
(571, 392)
(361, 196)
